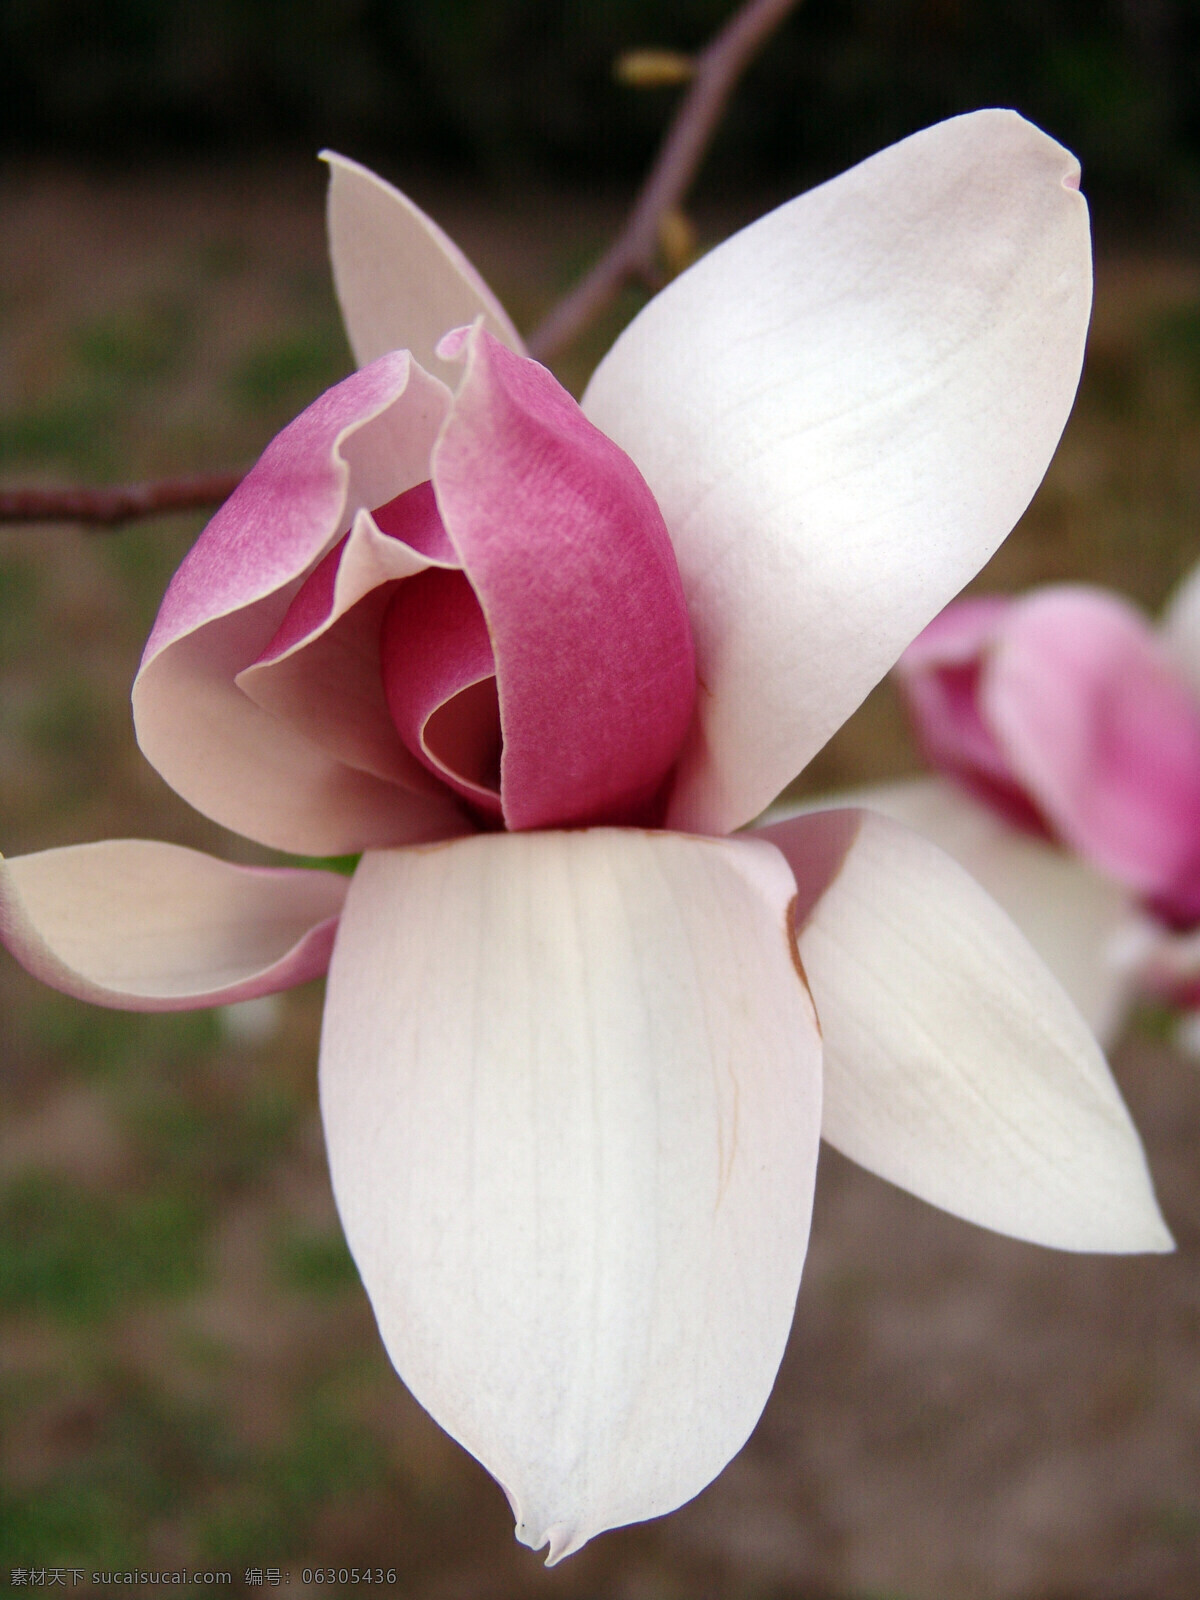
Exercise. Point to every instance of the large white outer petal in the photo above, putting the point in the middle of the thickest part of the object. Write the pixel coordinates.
(401, 282)
(571, 1090)
(955, 1065)
(842, 411)
(1079, 922)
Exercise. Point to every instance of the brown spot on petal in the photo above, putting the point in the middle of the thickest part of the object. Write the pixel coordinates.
(793, 939)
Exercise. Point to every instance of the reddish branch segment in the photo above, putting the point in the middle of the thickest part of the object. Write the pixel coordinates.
(110, 507)
(633, 252)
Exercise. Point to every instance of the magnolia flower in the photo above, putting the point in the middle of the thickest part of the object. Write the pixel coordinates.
(537, 660)
(1070, 729)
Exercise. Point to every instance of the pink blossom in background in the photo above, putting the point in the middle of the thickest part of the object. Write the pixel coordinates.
(1070, 717)
(538, 660)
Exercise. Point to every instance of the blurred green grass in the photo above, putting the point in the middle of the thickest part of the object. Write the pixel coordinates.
(75, 1254)
(284, 374)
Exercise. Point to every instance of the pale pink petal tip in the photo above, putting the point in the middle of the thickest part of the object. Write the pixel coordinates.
(144, 926)
(451, 345)
(959, 634)
(401, 282)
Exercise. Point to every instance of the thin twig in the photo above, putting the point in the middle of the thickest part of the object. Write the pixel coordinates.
(632, 253)
(109, 507)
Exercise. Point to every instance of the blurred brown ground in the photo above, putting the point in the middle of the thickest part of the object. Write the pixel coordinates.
(188, 1368)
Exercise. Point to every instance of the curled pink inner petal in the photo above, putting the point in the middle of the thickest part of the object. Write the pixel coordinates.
(320, 673)
(413, 518)
(311, 606)
(260, 746)
(463, 735)
(439, 679)
(511, 628)
(569, 557)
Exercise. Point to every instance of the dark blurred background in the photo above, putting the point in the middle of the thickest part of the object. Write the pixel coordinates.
(510, 87)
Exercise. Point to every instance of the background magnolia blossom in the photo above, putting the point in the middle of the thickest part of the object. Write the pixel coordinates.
(1069, 729)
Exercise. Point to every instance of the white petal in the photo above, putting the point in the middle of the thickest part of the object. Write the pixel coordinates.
(145, 926)
(1181, 628)
(955, 1065)
(571, 1089)
(1075, 919)
(842, 411)
(401, 282)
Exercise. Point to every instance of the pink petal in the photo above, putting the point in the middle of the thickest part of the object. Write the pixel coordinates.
(358, 446)
(394, 541)
(321, 671)
(413, 517)
(939, 676)
(144, 926)
(439, 677)
(568, 554)
(1105, 737)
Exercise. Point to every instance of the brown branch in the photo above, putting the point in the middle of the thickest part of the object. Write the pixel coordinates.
(107, 508)
(632, 254)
